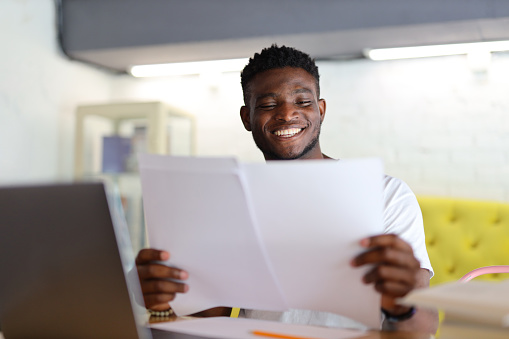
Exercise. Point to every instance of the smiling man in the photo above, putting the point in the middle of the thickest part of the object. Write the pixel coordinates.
(284, 112)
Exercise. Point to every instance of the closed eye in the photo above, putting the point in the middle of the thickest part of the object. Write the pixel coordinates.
(304, 103)
(266, 106)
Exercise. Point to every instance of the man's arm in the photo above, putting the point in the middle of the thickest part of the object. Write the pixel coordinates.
(215, 312)
(395, 273)
(424, 320)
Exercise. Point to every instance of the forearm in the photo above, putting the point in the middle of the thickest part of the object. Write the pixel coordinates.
(424, 320)
(215, 312)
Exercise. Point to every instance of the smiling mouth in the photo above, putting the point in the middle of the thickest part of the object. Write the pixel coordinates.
(287, 133)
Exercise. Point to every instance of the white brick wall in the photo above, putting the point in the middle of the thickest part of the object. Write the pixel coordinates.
(437, 125)
(39, 91)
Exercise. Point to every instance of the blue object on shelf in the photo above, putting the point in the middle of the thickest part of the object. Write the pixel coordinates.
(116, 151)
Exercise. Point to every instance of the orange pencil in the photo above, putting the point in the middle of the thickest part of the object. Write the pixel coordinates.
(277, 335)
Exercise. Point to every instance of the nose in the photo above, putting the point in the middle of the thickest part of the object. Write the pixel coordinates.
(286, 112)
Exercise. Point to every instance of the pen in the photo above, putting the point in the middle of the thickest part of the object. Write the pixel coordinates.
(277, 335)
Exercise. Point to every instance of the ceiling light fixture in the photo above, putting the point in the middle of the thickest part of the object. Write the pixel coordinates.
(435, 50)
(187, 68)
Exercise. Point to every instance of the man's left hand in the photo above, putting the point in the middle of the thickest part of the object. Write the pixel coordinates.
(395, 270)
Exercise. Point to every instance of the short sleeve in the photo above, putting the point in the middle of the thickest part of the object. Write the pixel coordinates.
(402, 216)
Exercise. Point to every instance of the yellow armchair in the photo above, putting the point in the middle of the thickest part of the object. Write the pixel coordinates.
(462, 235)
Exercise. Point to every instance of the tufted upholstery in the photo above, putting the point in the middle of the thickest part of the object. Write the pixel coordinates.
(462, 235)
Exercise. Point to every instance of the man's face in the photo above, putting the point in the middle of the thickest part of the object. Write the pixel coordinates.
(284, 114)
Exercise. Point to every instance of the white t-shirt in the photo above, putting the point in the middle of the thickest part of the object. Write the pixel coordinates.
(402, 216)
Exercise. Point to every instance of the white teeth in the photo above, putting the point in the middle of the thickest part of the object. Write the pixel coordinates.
(288, 132)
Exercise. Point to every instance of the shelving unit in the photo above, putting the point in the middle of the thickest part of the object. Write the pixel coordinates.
(110, 136)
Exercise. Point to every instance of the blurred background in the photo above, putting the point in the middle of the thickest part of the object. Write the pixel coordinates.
(439, 123)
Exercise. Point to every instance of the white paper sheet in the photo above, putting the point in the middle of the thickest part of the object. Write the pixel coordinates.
(475, 302)
(232, 328)
(203, 219)
(231, 226)
(311, 221)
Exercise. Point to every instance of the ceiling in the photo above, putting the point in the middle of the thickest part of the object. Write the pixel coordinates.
(117, 34)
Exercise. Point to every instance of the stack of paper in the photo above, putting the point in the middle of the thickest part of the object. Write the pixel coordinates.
(231, 328)
(266, 236)
(477, 309)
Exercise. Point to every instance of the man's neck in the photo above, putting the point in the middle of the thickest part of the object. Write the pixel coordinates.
(321, 157)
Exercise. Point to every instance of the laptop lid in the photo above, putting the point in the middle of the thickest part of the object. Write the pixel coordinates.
(61, 270)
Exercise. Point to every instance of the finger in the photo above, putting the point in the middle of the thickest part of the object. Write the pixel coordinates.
(390, 273)
(149, 254)
(386, 256)
(159, 307)
(163, 286)
(158, 301)
(392, 289)
(386, 240)
(154, 271)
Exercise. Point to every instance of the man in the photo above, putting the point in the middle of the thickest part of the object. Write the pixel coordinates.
(284, 113)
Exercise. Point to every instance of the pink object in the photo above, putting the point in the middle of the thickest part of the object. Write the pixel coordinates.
(484, 270)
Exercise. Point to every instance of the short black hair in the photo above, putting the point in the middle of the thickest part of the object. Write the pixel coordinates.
(277, 57)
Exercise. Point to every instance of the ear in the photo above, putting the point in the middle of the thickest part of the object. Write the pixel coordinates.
(246, 119)
(321, 106)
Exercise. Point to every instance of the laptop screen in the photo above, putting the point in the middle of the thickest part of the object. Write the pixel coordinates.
(61, 271)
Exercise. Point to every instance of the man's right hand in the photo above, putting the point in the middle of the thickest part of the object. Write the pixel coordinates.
(158, 281)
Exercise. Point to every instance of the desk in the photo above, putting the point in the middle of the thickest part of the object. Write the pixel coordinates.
(379, 335)
(369, 335)
(396, 335)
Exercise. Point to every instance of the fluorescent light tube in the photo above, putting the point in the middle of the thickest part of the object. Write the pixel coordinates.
(186, 68)
(435, 50)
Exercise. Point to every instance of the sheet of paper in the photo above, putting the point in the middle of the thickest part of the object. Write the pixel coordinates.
(237, 328)
(197, 210)
(311, 216)
(266, 236)
(484, 302)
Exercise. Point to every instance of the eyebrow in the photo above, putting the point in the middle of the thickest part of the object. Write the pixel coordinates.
(302, 90)
(274, 95)
(266, 95)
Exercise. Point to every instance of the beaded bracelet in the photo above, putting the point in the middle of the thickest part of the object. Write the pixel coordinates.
(400, 317)
(160, 314)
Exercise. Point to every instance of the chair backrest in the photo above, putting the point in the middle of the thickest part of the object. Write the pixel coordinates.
(484, 270)
(463, 235)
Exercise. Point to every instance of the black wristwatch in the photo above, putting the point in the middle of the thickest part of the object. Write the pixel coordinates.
(400, 317)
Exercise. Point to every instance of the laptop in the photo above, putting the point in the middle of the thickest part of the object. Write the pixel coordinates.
(62, 272)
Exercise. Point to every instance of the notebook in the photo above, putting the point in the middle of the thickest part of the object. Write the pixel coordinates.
(62, 274)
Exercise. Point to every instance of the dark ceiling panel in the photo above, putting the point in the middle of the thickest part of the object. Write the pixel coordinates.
(96, 29)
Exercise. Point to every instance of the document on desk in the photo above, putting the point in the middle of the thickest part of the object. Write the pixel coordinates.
(231, 328)
(266, 236)
(477, 302)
